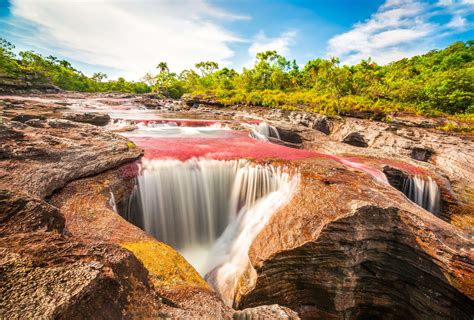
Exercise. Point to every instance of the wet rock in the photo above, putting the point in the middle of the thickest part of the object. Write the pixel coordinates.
(60, 123)
(322, 124)
(355, 139)
(89, 216)
(265, 312)
(74, 257)
(46, 273)
(421, 154)
(355, 248)
(60, 152)
(395, 177)
(96, 118)
(36, 123)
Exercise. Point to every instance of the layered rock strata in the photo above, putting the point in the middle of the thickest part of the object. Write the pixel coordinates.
(348, 247)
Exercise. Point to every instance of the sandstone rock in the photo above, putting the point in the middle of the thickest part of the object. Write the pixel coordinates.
(421, 153)
(191, 100)
(273, 311)
(48, 274)
(96, 118)
(347, 246)
(355, 139)
(37, 123)
(45, 159)
(322, 124)
(26, 83)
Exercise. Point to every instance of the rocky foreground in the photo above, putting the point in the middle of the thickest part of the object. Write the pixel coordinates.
(346, 246)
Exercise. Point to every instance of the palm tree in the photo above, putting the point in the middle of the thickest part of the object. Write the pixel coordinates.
(163, 67)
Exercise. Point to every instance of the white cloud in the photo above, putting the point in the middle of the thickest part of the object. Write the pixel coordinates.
(262, 42)
(457, 22)
(400, 28)
(454, 2)
(130, 36)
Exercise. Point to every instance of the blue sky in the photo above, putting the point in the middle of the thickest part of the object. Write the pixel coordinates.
(129, 37)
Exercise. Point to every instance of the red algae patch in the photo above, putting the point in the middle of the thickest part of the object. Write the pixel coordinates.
(234, 145)
(231, 145)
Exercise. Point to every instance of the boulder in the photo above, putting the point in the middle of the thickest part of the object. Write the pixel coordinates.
(95, 118)
(197, 100)
(322, 124)
(355, 139)
(421, 153)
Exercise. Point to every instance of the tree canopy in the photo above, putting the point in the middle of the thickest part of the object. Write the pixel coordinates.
(438, 81)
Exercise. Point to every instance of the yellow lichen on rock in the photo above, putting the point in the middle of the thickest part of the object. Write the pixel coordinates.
(166, 266)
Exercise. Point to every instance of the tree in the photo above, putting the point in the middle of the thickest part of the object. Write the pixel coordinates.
(149, 79)
(207, 67)
(98, 76)
(335, 79)
(163, 67)
(8, 63)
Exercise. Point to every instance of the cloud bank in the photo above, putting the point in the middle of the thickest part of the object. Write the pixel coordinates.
(130, 37)
(400, 28)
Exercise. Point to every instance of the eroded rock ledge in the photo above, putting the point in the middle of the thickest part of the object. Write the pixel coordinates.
(347, 247)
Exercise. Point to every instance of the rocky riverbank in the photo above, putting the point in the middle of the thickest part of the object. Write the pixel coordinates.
(347, 245)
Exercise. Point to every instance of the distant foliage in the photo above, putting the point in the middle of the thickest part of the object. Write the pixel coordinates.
(61, 72)
(437, 82)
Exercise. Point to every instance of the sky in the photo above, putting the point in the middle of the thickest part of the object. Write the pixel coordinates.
(130, 37)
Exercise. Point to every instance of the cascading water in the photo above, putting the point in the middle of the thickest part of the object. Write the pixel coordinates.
(423, 191)
(263, 131)
(230, 253)
(189, 204)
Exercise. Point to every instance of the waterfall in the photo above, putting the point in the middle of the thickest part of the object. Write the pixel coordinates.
(112, 202)
(230, 253)
(189, 204)
(423, 191)
(263, 131)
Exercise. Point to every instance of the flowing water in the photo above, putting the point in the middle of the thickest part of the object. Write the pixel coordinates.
(188, 204)
(263, 131)
(424, 192)
(196, 192)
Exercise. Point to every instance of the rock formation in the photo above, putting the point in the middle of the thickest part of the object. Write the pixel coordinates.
(26, 83)
(348, 247)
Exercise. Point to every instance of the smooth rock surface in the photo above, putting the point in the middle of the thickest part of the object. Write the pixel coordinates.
(346, 246)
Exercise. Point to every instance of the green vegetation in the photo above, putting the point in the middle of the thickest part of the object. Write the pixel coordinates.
(60, 72)
(439, 82)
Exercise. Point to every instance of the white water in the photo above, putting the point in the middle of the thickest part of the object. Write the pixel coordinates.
(188, 205)
(424, 192)
(263, 131)
(230, 253)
